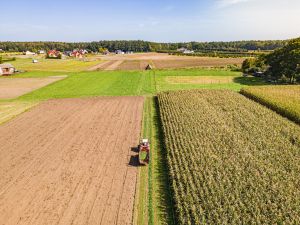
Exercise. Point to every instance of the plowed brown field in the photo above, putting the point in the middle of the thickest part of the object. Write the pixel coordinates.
(70, 162)
(15, 87)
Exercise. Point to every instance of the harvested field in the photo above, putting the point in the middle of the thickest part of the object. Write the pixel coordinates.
(100, 66)
(134, 65)
(139, 56)
(166, 61)
(114, 65)
(15, 87)
(199, 80)
(196, 62)
(70, 162)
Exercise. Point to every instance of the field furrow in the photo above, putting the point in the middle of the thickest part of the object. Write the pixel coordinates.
(72, 165)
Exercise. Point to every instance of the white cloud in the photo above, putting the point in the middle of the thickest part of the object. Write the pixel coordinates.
(226, 3)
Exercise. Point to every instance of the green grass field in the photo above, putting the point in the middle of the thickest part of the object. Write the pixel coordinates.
(116, 83)
(61, 65)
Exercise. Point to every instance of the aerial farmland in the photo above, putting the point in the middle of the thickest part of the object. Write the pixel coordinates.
(77, 160)
(150, 112)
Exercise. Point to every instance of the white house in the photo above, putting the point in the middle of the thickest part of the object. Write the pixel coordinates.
(120, 52)
(6, 69)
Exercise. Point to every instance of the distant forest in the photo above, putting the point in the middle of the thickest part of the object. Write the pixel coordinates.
(145, 46)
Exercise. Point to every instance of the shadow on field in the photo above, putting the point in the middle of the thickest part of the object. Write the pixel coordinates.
(166, 201)
(134, 161)
(251, 81)
(135, 149)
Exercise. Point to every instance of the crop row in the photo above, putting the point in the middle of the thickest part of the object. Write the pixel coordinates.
(231, 160)
(284, 99)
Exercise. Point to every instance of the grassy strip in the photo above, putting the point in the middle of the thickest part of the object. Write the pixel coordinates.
(154, 204)
(141, 202)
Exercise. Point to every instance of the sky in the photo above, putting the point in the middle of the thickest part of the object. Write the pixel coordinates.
(155, 20)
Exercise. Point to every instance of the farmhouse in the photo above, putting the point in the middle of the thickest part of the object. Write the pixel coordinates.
(54, 54)
(77, 54)
(6, 69)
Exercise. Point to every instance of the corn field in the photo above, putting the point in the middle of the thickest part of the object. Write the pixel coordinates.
(231, 160)
(284, 99)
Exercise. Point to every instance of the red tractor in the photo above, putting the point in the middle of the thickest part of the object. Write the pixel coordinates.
(144, 152)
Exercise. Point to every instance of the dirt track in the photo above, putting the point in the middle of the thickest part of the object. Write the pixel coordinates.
(15, 87)
(70, 162)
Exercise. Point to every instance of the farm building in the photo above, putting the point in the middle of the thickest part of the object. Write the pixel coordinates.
(182, 50)
(68, 53)
(29, 53)
(6, 69)
(78, 53)
(188, 52)
(41, 52)
(120, 52)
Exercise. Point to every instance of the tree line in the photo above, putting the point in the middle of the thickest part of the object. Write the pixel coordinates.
(282, 65)
(144, 46)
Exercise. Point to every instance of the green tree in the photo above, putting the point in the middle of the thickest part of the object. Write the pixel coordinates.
(284, 62)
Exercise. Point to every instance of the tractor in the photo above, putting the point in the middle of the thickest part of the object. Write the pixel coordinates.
(144, 152)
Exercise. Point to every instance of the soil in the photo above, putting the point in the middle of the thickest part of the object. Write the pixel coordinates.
(15, 87)
(70, 162)
(100, 66)
(139, 61)
(114, 65)
(196, 62)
